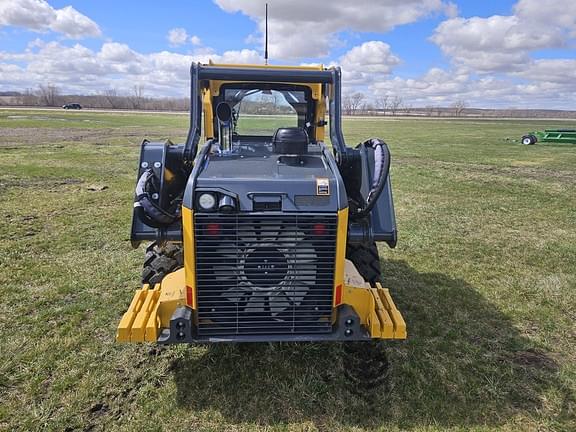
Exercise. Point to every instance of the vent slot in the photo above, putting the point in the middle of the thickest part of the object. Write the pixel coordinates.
(267, 203)
(264, 274)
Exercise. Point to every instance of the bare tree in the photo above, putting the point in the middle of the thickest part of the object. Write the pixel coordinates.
(137, 96)
(47, 94)
(112, 98)
(382, 103)
(352, 103)
(347, 104)
(27, 98)
(357, 99)
(429, 110)
(395, 104)
(407, 108)
(459, 107)
(367, 109)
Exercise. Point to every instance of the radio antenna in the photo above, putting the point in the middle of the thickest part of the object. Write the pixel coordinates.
(266, 39)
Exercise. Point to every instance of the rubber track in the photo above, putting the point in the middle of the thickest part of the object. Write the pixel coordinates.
(366, 260)
(160, 261)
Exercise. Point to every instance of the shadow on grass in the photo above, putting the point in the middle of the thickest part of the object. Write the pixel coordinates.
(463, 364)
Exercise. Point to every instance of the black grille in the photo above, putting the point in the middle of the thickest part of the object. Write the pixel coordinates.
(270, 274)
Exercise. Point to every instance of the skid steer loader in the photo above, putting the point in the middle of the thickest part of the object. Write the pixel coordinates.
(264, 232)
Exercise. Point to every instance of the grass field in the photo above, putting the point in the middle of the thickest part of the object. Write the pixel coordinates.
(484, 273)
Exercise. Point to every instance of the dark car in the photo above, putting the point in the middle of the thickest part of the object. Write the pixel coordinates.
(72, 106)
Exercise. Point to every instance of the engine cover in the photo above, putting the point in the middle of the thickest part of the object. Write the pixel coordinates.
(261, 180)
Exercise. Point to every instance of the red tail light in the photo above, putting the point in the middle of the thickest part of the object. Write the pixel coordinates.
(319, 229)
(213, 229)
(338, 295)
(188, 295)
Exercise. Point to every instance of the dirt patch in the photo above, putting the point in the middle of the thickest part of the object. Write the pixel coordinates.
(99, 408)
(536, 359)
(19, 137)
(97, 187)
(38, 182)
(43, 135)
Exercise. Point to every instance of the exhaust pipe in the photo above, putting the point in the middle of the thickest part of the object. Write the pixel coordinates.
(224, 116)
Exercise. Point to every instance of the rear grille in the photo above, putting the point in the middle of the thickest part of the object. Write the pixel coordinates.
(270, 274)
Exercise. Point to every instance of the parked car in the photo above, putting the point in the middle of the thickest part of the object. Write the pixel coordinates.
(72, 106)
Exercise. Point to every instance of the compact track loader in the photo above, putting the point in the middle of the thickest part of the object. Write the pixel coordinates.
(264, 232)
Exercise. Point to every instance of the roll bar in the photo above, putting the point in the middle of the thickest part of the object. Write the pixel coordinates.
(198, 73)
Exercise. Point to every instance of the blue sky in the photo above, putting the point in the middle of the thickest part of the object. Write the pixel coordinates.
(430, 52)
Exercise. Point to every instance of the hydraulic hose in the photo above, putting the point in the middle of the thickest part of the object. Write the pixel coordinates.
(381, 170)
(150, 212)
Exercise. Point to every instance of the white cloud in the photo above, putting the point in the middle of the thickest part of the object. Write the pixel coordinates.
(179, 36)
(304, 28)
(39, 16)
(550, 70)
(505, 43)
(497, 43)
(501, 49)
(367, 62)
(551, 13)
(162, 73)
(117, 52)
(451, 10)
(440, 87)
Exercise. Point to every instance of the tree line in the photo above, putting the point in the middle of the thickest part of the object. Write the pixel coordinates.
(134, 99)
(352, 104)
(358, 104)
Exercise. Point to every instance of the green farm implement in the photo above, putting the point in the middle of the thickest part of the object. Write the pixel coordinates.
(551, 136)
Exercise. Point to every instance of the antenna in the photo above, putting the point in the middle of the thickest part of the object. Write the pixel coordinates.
(266, 40)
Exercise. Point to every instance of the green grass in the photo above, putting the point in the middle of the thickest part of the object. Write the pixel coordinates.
(484, 273)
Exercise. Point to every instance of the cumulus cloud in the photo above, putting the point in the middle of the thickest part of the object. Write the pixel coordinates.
(304, 28)
(552, 13)
(550, 70)
(179, 36)
(367, 62)
(439, 87)
(116, 65)
(39, 16)
(504, 43)
(497, 43)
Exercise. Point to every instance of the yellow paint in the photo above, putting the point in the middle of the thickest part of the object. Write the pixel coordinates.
(189, 251)
(169, 175)
(137, 333)
(395, 315)
(125, 325)
(319, 117)
(316, 89)
(212, 90)
(257, 66)
(208, 114)
(376, 310)
(172, 295)
(152, 309)
(341, 237)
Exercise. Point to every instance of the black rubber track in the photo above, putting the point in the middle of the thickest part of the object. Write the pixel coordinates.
(366, 260)
(161, 260)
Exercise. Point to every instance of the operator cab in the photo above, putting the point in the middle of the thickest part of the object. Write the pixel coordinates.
(263, 118)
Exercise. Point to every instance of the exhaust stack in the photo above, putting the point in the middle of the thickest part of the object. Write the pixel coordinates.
(224, 116)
